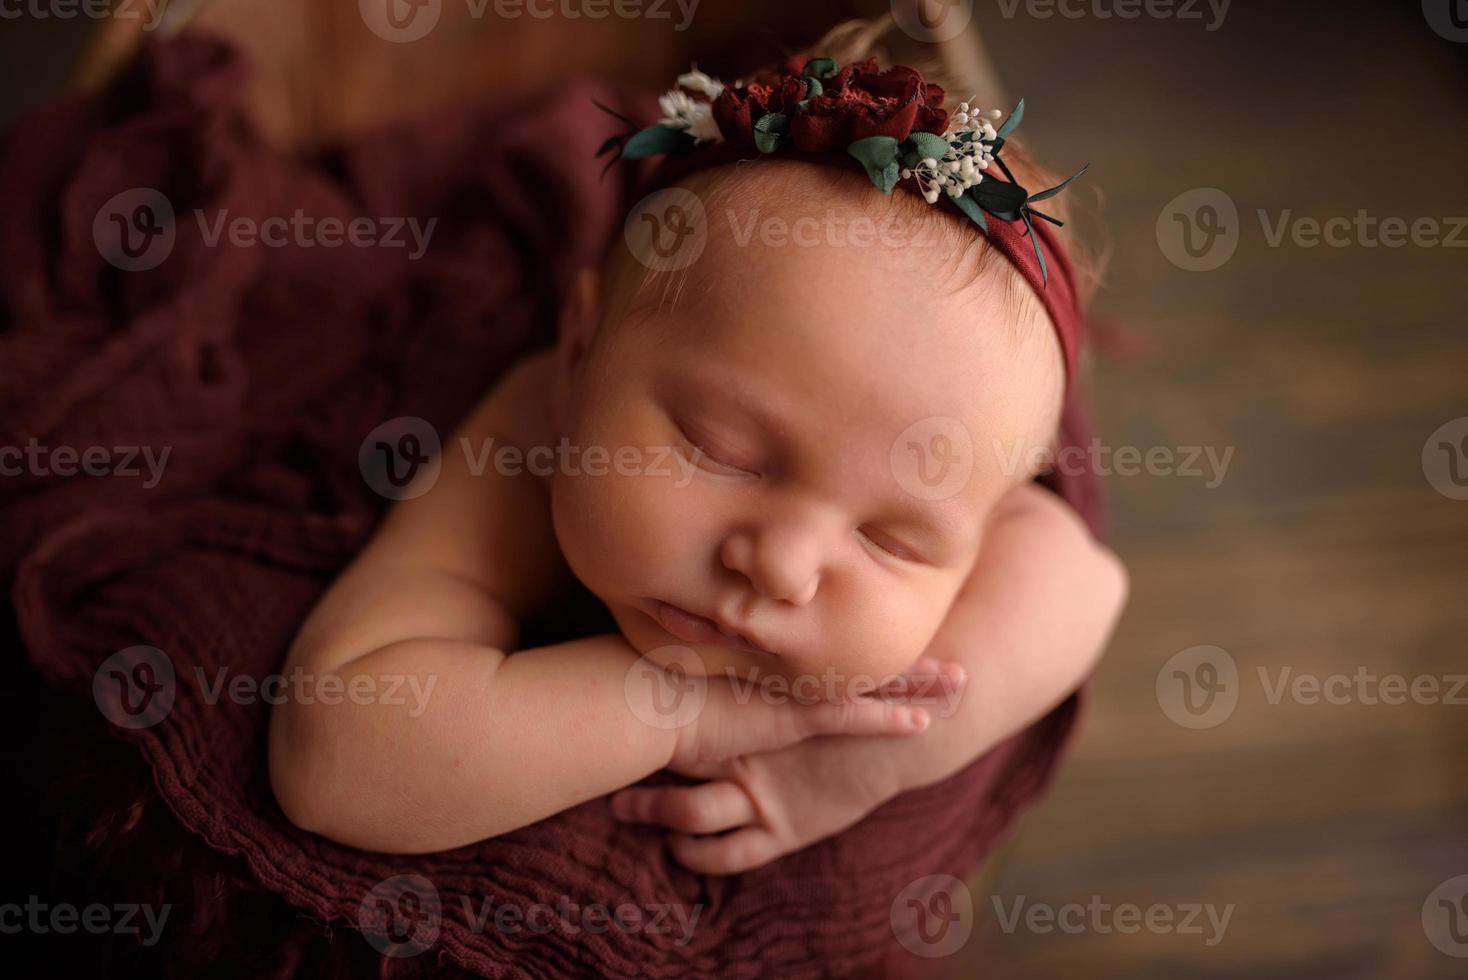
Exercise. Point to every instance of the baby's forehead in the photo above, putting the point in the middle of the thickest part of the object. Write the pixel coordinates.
(937, 319)
(776, 229)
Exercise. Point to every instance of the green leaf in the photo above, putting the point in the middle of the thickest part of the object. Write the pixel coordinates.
(770, 130)
(767, 142)
(911, 158)
(888, 178)
(929, 145)
(820, 68)
(1058, 187)
(878, 154)
(1013, 121)
(970, 207)
(655, 140)
(813, 88)
(1002, 200)
(1035, 241)
(613, 112)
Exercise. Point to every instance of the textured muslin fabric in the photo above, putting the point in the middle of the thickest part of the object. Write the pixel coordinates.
(261, 370)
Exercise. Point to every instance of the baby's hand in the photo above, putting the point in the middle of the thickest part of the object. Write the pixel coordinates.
(733, 721)
(778, 802)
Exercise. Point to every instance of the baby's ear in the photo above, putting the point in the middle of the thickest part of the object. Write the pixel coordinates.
(579, 318)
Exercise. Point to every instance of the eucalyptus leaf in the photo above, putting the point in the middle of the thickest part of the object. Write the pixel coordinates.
(1035, 241)
(813, 88)
(767, 142)
(878, 154)
(770, 130)
(1001, 199)
(820, 68)
(929, 145)
(772, 122)
(613, 112)
(655, 140)
(970, 207)
(888, 178)
(1058, 187)
(1015, 118)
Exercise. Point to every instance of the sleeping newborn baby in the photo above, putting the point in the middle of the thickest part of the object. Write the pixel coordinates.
(845, 591)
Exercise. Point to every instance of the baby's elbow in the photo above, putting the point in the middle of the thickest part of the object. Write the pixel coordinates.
(1112, 582)
(294, 763)
(317, 775)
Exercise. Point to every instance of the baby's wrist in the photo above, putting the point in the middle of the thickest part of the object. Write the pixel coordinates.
(893, 771)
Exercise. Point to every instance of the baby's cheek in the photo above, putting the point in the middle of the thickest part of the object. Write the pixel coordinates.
(885, 633)
(624, 533)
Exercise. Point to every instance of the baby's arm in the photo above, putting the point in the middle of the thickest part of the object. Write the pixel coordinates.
(1028, 626)
(499, 741)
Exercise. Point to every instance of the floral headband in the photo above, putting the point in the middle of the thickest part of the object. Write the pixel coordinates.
(893, 124)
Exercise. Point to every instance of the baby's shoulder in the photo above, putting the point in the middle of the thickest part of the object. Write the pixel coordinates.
(520, 402)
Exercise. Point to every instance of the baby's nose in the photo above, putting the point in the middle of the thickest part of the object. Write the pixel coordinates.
(781, 561)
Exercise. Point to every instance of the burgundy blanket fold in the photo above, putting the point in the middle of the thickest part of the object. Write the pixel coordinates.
(261, 370)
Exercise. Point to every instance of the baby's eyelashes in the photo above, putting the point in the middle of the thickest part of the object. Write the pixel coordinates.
(710, 455)
(889, 544)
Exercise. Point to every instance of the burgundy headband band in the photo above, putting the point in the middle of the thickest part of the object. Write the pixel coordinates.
(810, 110)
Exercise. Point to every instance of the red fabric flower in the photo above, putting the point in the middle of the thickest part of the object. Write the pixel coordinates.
(861, 100)
(736, 110)
(864, 101)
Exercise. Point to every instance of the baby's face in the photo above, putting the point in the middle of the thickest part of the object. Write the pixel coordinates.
(842, 422)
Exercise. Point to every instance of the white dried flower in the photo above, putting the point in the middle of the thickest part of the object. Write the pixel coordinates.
(697, 81)
(960, 168)
(683, 111)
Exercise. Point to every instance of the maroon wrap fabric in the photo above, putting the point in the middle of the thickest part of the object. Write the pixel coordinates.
(262, 370)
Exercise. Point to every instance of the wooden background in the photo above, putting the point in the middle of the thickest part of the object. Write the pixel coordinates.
(1323, 550)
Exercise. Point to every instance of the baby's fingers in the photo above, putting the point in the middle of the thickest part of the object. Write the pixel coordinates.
(729, 854)
(704, 809)
(861, 716)
(927, 681)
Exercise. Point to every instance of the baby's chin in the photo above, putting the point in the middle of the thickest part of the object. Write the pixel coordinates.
(695, 659)
(778, 676)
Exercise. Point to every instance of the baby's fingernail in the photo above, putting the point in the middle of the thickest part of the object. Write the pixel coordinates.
(917, 719)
